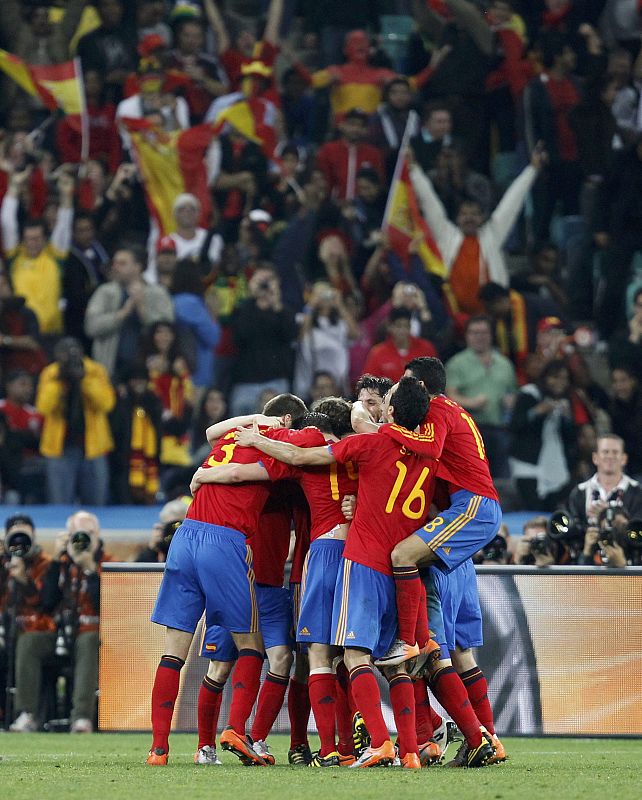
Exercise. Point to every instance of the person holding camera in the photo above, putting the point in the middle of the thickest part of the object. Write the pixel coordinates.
(326, 331)
(170, 517)
(75, 396)
(264, 331)
(26, 615)
(73, 586)
(608, 486)
(605, 540)
(535, 547)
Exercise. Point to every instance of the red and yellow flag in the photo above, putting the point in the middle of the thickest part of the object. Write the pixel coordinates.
(403, 223)
(57, 85)
(170, 164)
(254, 118)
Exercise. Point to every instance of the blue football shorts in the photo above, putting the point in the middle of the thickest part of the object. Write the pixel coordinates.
(317, 591)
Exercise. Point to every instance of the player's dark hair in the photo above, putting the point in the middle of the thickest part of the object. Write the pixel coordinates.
(410, 402)
(18, 519)
(286, 403)
(374, 383)
(315, 419)
(430, 371)
(338, 412)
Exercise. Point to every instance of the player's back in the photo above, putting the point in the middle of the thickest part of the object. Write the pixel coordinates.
(463, 462)
(239, 505)
(395, 491)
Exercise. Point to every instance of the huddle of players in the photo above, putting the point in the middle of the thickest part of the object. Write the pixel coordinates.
(357, 588)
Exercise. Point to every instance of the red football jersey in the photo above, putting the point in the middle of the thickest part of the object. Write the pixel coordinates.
(271, 543)
(450, 434)
(238, 506)
(395, 492)
(324, 487)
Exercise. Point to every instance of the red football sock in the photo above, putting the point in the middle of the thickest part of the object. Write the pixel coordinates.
(447, 687)
(365, 690)
(408, 587)
(271, 699)
(422, 632)
(299, 712)
(344, 712)
(477, 688)
(422, 712)
(246, 680)
(343, 680)
(209, 707)
(402, 699)
(322, 690)
(164, 694)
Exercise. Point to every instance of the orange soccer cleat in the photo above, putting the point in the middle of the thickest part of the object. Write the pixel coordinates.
(429, 754)
(500, 753)
(241, 747)
(157, 757)
(410, 761)
(376, 756)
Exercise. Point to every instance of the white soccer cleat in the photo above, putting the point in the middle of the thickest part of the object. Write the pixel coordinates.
(25, 723)
(261, 749)
(446, 734)
(206, 756)
(82, 725)
(398, 652)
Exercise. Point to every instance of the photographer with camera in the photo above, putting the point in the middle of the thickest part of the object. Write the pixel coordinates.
(535, 548)
(74, 397)
(609, 487)
(170, 517)
(612, 540)
(73, 585)
(26, 622)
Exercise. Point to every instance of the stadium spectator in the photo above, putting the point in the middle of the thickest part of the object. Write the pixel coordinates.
(264, 331)
(323, 385)
(388, 123)
(543, 277)
(34, 264)
(211, 409)
(84, 270)
(74, 397)
(625, 410)
(136, 426)
(434, 135)
(472, 248)
(20, 347)
(166, 260)
(456, 183)
(327, 327)
(26, 602)
(111, 48)
(544, 442)
(24, 426)
(120, 312)
(483, 381)
(388, 359)
(341, 160)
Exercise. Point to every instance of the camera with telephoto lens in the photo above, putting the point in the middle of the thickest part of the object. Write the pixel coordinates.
(539, 545)
(496, 549)
(627, 536)
(169, 529)
(562, 527)
(80, 541)
(18, 543)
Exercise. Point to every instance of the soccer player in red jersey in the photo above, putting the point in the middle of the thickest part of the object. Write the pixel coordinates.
(394, 493)
(209, 568)
(324, 488)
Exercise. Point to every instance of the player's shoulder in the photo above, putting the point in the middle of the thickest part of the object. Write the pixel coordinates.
(306, 437)
(442, 406)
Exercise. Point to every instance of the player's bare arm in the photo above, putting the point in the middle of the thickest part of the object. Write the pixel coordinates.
(361, 419)
(283, 451)
(228, 473)
(214, 432)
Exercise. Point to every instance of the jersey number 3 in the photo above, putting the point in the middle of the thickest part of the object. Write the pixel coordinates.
(417, 496)
(227, 449)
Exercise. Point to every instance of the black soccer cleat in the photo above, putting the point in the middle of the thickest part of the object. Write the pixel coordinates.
(300, 756)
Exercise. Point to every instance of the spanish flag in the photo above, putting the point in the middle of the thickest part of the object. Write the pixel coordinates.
(253, 117)
(402, 220)
(170, 164)
(57, 85)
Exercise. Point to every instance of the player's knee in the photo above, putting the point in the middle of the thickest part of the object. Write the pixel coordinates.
(219, 670)
(280, 660)
(355, 658)
(400, 555)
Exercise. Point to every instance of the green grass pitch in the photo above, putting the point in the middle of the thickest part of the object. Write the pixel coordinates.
(85, 767)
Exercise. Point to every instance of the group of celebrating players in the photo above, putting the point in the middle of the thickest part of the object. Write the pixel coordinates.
(377, 580)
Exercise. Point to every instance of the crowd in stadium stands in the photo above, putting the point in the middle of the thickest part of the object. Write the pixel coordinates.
(123, 335)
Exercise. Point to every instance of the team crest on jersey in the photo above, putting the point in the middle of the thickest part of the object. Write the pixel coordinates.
(211, 648)
(304, 632)
(351, 635)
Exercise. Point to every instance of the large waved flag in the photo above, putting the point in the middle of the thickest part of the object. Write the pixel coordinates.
(57, 85)
(170, 164)
(254, 117)
(402, 220)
